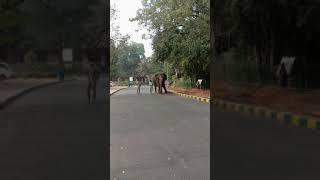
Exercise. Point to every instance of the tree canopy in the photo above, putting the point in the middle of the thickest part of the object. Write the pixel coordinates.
(180, 33)
(262, 32)
(53, 24)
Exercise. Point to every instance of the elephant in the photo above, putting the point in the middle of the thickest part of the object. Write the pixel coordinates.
(159, 81)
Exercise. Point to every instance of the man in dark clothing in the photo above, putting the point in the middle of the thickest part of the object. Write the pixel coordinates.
(93, 77)
(139, 86)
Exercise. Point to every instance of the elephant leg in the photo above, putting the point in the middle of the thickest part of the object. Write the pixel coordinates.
(165, 89)
(155, 89)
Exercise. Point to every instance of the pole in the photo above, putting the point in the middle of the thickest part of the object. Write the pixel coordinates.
(167, 69)
(167, 73)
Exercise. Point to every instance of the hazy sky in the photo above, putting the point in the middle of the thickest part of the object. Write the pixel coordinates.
(127, 9)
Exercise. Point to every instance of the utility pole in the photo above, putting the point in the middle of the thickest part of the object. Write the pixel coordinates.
(167, 69)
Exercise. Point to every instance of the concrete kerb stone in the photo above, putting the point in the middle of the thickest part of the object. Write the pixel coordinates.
(288, 118)
(9, 100)
(207, 100)
(117, 90)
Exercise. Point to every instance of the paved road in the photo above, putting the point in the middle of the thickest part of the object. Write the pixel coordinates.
(160, 137)
(116, 88)
(52, 133)
(255, 148)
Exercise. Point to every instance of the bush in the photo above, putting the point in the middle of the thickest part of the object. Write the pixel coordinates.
(184, 82)
(121, 83)
(34, 70)
(44, 70)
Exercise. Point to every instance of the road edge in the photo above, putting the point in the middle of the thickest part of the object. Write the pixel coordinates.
(207, 100)
(9, 100)
(117, 91)
(288, 118)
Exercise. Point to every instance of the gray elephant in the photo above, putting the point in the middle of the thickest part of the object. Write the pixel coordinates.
(159, 81)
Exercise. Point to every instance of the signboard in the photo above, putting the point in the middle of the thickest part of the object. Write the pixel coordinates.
(288, 63)
(130, 79)
(67, 55)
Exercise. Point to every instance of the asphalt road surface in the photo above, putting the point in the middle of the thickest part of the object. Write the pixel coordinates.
(53, 133)
(158, 137)
(258, 149)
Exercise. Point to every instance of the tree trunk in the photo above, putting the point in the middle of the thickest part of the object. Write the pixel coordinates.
(272, 44)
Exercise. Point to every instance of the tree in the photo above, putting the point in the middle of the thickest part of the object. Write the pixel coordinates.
(12, 20)
(55, 24)
(130, 55)
(180, 33)
(265, 31)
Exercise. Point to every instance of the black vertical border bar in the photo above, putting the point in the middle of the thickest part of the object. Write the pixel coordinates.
(107, 122)
(212, 57)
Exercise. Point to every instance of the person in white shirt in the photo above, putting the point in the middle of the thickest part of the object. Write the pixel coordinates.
(151, 86)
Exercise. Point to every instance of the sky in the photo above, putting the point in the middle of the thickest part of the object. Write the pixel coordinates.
(127, 9)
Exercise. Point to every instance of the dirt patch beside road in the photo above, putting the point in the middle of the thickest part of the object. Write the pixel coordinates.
(195, 92)
(278, 98)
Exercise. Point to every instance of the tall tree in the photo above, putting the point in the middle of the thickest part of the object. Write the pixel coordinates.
(11, 21)
(59, 23)
(266, 30)
(180, 33)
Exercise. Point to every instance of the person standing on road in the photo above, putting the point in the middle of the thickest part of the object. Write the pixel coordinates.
(93, 77)
(151, 86)
(139, 86)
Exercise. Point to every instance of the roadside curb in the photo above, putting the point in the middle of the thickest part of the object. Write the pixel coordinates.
(288, 118)
(9, 100)
(117, 91)
(207, 100)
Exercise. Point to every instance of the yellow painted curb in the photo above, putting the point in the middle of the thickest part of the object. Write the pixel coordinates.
(192, 97)
(288, 118)
(312, 123)
(280, 116)
(295, 120)
(117, 91)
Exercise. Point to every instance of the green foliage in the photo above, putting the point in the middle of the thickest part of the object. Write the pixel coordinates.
(259, 33)
(130, 55)
(34, 70)
(67, 21)
(51, 25)
(11, 18)
(180, 33)
(169, 70)
(126, 58)
(44, 70)
(184, 82)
